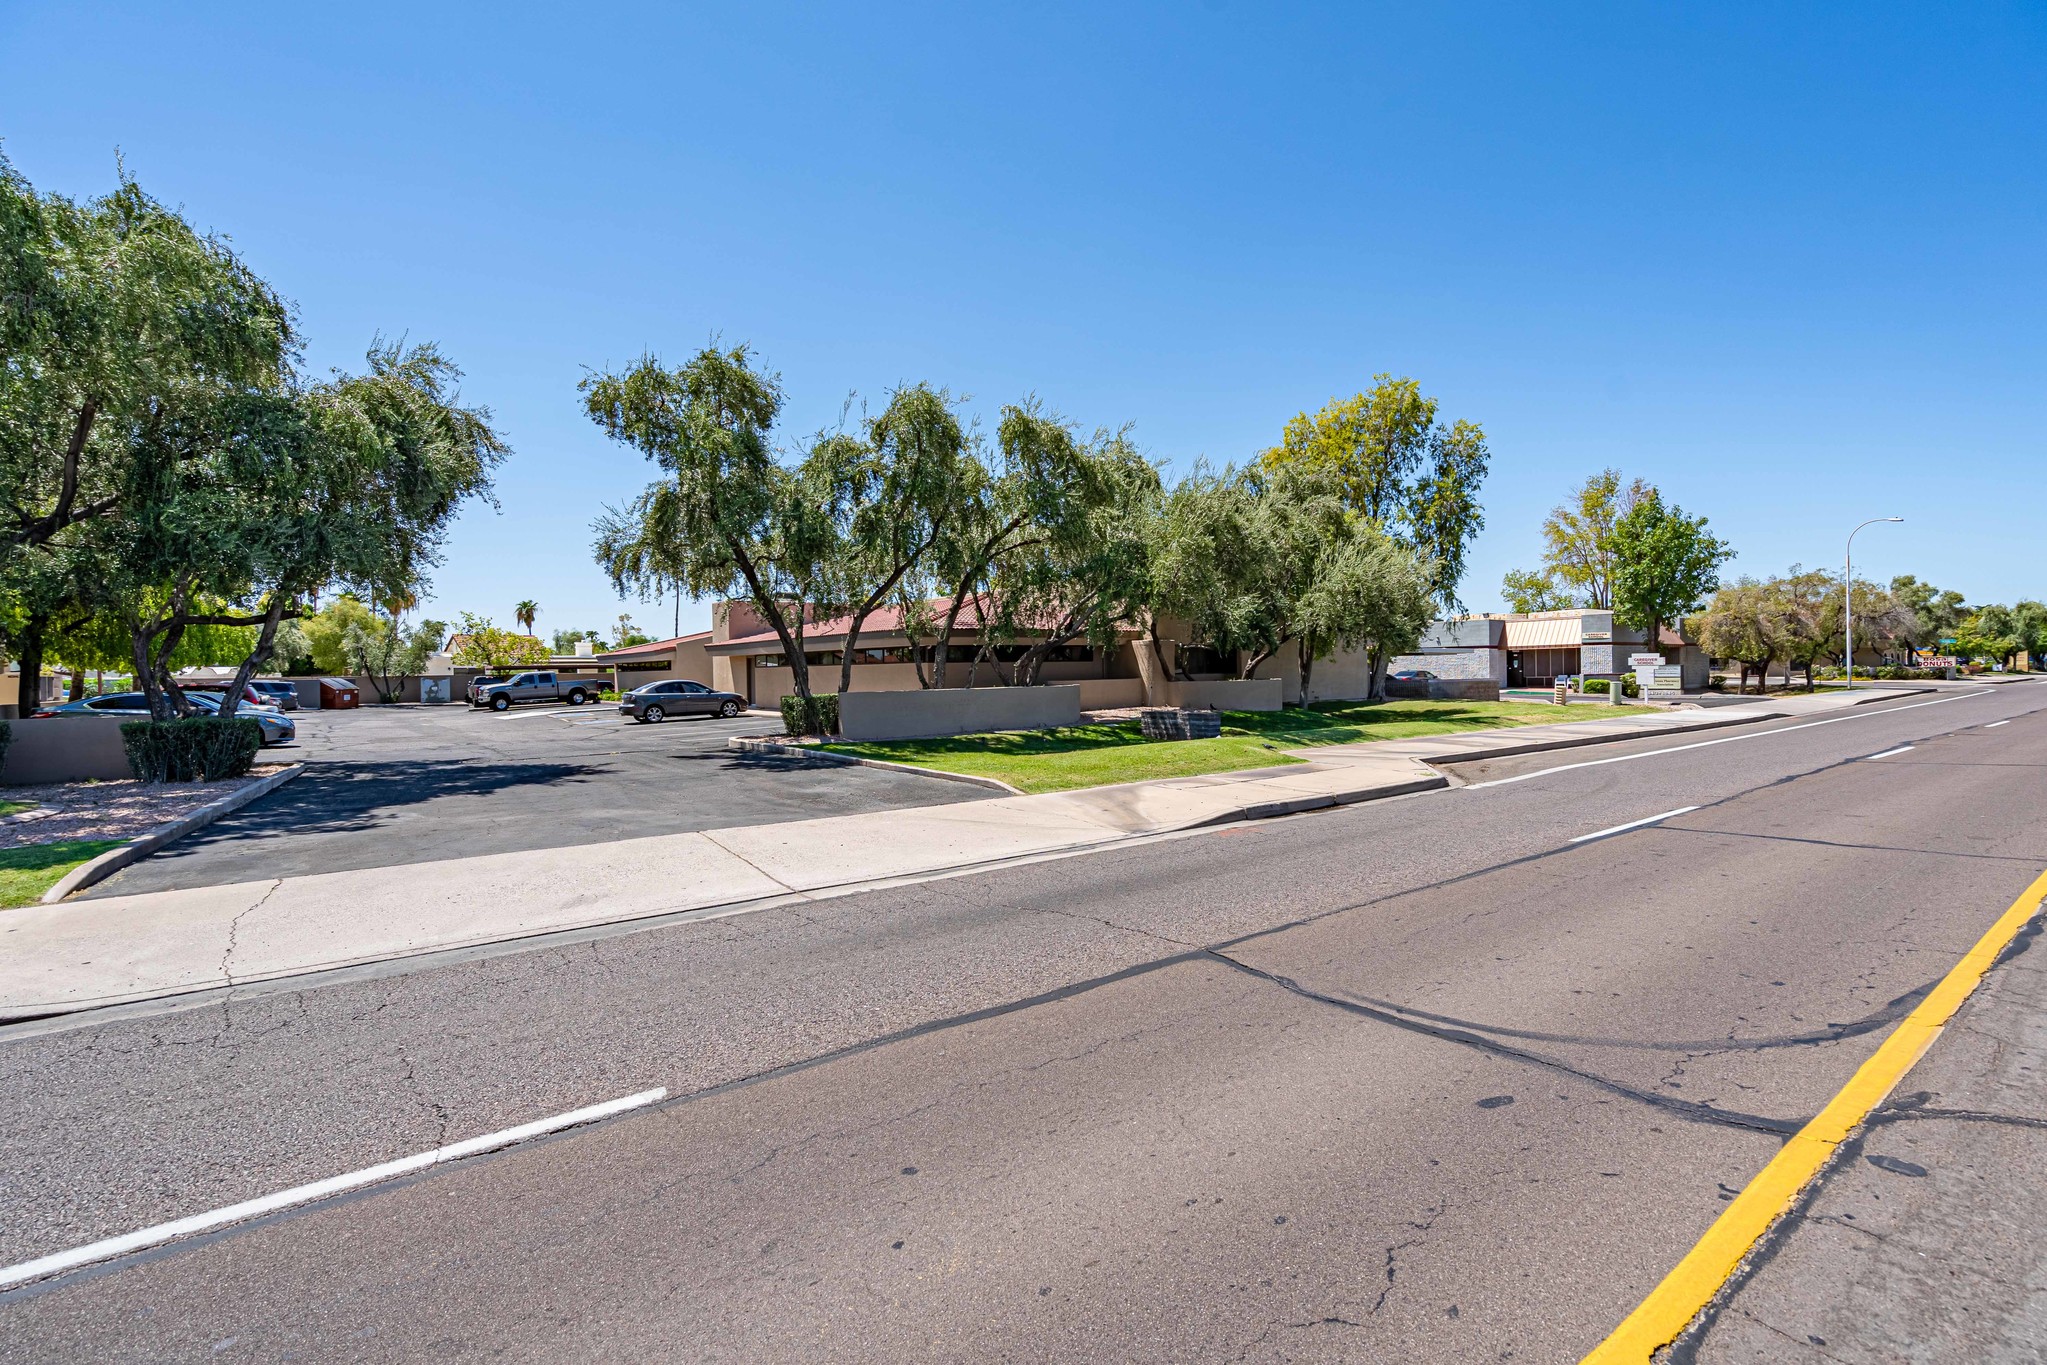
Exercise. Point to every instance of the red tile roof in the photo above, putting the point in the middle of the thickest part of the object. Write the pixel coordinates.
(655, 646)
(882, 621)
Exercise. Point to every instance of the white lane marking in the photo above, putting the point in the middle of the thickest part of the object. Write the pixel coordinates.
(1709, 743)
(1634, 824)
(1891, 753)
(45, 1266)
(1995, 723)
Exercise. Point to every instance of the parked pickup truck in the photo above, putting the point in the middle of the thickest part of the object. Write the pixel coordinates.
(499, 694)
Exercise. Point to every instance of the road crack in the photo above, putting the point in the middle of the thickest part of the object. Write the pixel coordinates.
(1686, 1109)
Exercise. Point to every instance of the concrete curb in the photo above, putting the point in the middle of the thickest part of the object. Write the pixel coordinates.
(817, 755)
(114, 859)
(1271, 810)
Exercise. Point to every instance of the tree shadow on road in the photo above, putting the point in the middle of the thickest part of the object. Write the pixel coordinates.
(336, 797)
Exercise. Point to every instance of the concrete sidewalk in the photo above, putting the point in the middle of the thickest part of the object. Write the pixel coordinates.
(83, 954)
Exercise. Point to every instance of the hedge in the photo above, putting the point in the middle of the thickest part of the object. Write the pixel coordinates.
(1600, 686)
(196, 749)
(822, 718)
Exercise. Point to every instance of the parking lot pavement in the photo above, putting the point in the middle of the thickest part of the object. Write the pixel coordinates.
(387, 786)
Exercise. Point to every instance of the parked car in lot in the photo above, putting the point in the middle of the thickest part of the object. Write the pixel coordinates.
(277, 727)
(501, 694)
(657, 701)
(1411, 675)
(280, 694)
(252, 694)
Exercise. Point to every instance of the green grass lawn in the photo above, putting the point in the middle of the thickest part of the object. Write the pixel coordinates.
(25, 873)
(15, 807)
(1093, 755)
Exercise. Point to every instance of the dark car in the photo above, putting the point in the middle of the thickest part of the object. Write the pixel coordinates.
(278, 693)
(657, 701)
(1410, 675)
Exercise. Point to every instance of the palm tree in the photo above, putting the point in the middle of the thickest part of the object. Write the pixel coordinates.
(524, 614)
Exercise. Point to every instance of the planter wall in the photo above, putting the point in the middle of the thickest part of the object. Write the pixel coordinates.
(66, 749)
(1254, 694)
(933, 713)
(1098, 694)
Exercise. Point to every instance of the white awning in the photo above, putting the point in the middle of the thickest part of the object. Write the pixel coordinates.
(1565, 632)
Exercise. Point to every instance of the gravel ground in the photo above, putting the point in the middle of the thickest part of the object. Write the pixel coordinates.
(113, 810)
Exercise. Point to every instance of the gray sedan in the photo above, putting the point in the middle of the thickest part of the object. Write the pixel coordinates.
(658, 701)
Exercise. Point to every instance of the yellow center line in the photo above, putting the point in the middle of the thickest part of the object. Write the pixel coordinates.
(1689, 1287)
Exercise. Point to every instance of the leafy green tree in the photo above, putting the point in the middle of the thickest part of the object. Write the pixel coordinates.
(1935, 613)
(1665, 565)
(1087, 571)
(1396, 465)
(894, 491)
(565, 641)
(254, 502)
(1370, 592)
(494, 649)
(327, 634)
(1744, 622)
(115, 317)
(1209, 567)
(388, 655)
(1578, 536)
(1042, 487)
(1534, 590)
(726, 519)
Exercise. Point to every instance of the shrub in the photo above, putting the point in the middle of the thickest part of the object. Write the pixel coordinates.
(822, 717)
(197, 749)
(1601, 686)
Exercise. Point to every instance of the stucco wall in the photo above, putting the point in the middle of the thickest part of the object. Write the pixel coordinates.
(928, 713)
(65, 749)
(1255, 694)
(1101, 693)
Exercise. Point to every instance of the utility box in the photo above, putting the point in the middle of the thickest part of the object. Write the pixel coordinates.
(437, 689)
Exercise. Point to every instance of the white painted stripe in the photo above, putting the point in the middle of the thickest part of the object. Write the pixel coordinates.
(45, 1266)
(1633, 824)
(1901, 749)
(1995, 723)
(1727, 739)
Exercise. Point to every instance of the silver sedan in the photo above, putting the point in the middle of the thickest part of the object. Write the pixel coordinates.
(659, 701)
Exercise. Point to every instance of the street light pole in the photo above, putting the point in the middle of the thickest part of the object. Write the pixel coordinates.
(1848, 600)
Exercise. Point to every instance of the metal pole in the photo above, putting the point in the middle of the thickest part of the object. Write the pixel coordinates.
(1848, 604)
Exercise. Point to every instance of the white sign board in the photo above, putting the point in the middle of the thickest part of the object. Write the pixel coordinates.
(1662, 680)
(1644, 660)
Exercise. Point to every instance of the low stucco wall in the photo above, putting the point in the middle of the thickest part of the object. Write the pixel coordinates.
(65, 749)
(1101, 693)
(1445, 689)
(1253, 694)
(929, 714)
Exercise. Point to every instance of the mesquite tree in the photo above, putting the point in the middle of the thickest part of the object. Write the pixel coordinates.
(727, 518)
(117, 319)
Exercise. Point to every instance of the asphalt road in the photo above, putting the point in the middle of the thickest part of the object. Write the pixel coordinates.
(1416, 1080)
(389, 786)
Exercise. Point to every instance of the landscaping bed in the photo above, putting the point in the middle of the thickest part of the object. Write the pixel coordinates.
(89, 819)
(1094, 755)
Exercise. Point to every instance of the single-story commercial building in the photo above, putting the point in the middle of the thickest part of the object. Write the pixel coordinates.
(1534, 649)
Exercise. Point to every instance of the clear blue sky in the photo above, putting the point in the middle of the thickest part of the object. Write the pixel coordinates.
(1787, 262)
